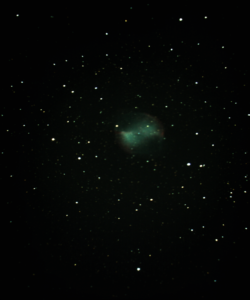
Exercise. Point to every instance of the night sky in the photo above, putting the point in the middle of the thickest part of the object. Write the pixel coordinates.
(92, 213)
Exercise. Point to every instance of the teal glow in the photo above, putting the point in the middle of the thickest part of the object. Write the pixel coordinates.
(140, 134)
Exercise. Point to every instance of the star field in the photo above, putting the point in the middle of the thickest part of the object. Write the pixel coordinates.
(101, 202)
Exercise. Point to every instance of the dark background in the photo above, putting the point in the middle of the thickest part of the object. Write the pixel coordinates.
(82, 214)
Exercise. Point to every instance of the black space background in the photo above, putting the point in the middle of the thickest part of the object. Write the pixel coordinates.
(94, 248)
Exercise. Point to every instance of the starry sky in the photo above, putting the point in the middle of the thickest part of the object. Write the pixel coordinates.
(85, 212)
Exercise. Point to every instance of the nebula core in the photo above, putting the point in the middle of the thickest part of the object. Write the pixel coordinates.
(139, 133)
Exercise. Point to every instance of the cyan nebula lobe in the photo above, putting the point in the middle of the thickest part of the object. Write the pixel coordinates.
(139, 133)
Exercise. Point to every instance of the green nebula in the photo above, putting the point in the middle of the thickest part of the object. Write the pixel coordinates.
(140, 134)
